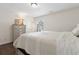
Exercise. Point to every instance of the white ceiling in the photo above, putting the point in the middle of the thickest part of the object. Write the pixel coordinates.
(44, 8)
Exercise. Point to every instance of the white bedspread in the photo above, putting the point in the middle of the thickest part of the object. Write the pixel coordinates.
(48, 43)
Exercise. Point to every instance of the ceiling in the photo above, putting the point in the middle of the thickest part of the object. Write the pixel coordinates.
(43, 9)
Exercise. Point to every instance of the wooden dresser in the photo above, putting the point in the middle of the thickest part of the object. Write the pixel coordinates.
(18, 30)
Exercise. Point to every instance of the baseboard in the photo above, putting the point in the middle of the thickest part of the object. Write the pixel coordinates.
(5, 42)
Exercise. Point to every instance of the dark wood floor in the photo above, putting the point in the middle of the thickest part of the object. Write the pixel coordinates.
(7, 49)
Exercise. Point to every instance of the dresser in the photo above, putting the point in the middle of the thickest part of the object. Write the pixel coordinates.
(18, 30)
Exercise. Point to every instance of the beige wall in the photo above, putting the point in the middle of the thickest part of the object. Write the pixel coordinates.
(60, 21)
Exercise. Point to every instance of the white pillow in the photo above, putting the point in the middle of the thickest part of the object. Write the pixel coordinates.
(76, 31)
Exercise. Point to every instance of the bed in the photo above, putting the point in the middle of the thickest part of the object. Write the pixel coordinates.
(48, 43)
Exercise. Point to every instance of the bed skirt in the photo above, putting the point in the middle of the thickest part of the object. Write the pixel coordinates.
(20, 51)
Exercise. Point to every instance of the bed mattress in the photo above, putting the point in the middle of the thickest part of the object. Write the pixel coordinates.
(48, 43)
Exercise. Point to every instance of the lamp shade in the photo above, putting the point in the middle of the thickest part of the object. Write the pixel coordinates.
(19, 21)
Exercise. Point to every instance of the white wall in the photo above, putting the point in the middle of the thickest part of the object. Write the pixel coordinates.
(7, 18)
(61, 21)
(30, 24)
(6, 21)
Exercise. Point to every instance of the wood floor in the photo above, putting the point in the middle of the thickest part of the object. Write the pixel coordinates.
(7, 49)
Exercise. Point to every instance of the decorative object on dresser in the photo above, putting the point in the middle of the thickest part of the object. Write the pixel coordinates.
(18, 28)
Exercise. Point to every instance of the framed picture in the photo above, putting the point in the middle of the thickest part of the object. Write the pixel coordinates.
(40, 26)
